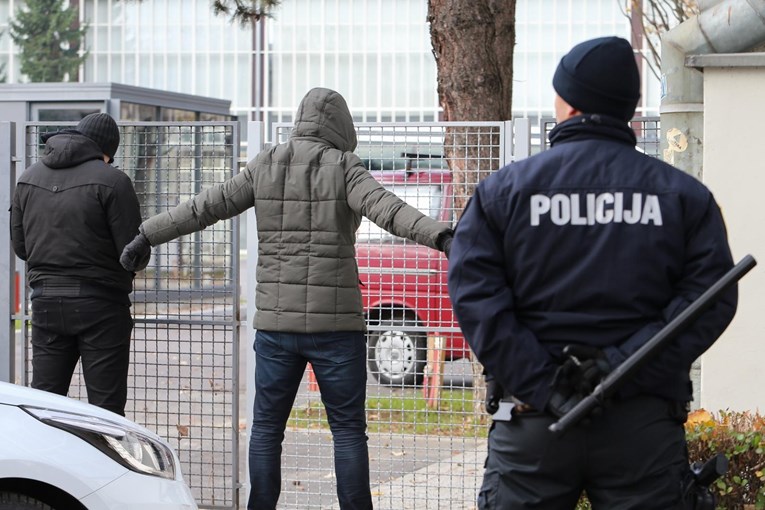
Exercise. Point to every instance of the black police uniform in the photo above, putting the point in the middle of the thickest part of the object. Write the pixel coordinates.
(592, 243)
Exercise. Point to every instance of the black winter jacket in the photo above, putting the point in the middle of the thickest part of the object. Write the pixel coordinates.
(72, 215)
(589, 242)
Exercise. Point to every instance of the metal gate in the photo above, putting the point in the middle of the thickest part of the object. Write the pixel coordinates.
(427, 428)
(426, 425)
(184, 373)
(646, 130)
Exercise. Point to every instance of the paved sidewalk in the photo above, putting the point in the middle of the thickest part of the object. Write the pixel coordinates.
(451, 483)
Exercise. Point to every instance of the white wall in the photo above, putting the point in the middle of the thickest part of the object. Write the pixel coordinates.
(733, 370)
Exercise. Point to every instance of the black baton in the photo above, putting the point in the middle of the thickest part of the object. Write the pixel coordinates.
(648, 350)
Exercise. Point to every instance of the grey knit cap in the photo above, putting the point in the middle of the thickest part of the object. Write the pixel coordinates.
(102, 129)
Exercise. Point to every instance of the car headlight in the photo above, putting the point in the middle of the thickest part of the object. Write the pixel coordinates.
(129, 447)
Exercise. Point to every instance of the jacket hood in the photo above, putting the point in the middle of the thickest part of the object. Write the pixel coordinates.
(69, 148)
(323, 113)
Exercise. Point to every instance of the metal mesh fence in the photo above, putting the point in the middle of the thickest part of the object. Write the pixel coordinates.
(426, 425)
(646, 129)
(184, 376)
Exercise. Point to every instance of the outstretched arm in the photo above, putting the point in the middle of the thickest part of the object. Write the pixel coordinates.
(213, 204)
(369, 198)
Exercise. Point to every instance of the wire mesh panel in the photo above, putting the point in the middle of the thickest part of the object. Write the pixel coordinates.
(183, 381)
(426, 424)
(646, 130)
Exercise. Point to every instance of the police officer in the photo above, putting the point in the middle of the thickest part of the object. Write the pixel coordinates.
(563, 265)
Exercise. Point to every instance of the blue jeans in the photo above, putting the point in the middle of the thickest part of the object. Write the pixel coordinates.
(339, 362)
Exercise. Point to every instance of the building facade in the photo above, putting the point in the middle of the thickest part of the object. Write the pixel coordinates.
(377, 53)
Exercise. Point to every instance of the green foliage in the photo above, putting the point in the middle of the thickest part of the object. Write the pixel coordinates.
(244, 11)
(740, 437)
(49, 37)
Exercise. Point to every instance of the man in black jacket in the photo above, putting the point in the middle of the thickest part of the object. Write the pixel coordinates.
(72, 215)
(563, 265)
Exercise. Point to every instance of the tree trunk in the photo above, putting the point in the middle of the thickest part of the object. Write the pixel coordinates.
(473, 43)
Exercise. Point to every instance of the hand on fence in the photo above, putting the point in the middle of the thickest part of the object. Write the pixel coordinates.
(444, 242)
(136, 254)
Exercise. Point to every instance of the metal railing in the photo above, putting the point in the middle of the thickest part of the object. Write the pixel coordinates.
(646, 129)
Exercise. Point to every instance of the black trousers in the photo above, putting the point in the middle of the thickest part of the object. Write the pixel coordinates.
(65, 329)
(632, 456)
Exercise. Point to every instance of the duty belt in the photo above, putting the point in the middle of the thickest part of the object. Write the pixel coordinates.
(509, 407)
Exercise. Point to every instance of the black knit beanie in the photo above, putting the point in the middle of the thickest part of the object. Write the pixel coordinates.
(600, 76)
(102, 129)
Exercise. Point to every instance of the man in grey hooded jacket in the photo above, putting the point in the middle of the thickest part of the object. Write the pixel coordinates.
(309, 195)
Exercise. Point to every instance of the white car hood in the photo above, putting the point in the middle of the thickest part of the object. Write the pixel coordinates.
(16, 395)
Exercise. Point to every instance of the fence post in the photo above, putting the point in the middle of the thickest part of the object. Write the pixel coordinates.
(255, 143)
(7, 257)
(521, 128)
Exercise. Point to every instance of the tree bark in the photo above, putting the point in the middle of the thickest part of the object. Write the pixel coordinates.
(473, 43)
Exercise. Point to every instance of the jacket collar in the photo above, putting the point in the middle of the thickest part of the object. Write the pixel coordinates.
(593, 126)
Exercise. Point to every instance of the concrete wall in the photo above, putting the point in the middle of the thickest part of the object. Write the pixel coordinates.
(733, 370)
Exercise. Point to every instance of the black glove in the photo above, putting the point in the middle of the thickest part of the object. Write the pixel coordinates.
(577, 377)
(136, 254)
(494, 394)
(564, 395)
(593, 366)
(444, 242)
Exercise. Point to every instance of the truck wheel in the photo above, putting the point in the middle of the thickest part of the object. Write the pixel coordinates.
(14, 501)
(396, 356)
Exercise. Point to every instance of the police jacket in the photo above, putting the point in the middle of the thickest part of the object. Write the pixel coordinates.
(309, 195)
(590, 242)
(72, 215)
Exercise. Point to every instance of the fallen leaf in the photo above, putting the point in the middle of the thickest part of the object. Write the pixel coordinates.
(183, 430)
(699, 416)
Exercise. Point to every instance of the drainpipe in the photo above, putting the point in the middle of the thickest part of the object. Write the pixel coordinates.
(727, 26)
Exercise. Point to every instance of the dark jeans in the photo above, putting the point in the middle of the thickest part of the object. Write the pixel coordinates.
(339, 362)
(94, 330)
(631, 457)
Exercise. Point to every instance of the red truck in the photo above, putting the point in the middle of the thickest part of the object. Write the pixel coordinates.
(403, 284)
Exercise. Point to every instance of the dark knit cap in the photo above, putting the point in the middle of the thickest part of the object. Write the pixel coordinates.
(102, 129)
(600, 76)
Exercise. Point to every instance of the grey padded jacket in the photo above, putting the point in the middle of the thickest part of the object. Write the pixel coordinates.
(309, 195)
